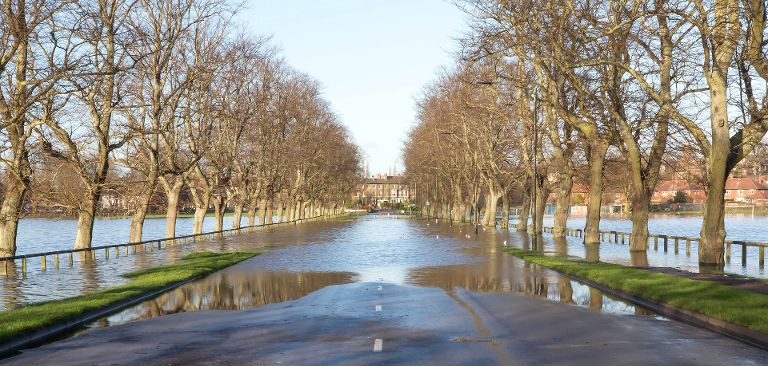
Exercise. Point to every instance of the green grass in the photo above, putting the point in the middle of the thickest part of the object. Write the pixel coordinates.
(36, 316)
(720, 301)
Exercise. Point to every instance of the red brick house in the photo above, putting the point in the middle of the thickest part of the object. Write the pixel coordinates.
(747, 189)
(666, 190)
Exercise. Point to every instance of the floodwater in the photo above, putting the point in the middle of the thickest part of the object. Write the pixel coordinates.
(38, 235)
(738, 227)
(308, 257)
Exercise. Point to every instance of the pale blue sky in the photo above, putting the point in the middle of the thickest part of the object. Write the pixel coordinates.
(373, 58)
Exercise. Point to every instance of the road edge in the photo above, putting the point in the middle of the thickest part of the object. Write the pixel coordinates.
(7, 349)
(734, 331)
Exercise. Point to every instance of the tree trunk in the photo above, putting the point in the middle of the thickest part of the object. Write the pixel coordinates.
(237, 215)
(541, 206)
(85, 221)
(522, 218)
(563, 204)
(505, 210)
(713, 227)
(252, 212)
(262, 211)
(137, 221)
(172, 193)
(199, 219)
(641, 202)
(218, 211)
(597, 151)
(290, 208)
(268, 212)
(10, 221)
(280, 211)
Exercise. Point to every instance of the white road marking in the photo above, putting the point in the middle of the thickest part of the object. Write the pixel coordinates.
(378, 308)
(378, 345)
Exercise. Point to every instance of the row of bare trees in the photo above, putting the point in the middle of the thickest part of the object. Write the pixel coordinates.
(141, 96)
(547, 92)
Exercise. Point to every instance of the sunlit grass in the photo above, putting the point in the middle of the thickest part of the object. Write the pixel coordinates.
(732, 304)
(36, 316)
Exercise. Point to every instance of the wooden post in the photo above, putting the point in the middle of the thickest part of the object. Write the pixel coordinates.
(622, 238)
(743, 254)
(106, 253)
(688, 246)
(23, 265)
(71, 260)
(43, 264)
(762, 256)
(656, 242)
(666, 243)
(56, 260)
(728, 251)
(5, 268)
(677, 245)
(117, 252)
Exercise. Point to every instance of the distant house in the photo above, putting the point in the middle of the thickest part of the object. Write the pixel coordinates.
(667, 189)
(381, 191)
(747, 189)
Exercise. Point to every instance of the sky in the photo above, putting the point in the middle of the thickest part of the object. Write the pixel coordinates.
(373, 58)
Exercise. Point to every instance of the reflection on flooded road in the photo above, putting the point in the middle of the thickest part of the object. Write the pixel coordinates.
(231, 290)
(374, 248)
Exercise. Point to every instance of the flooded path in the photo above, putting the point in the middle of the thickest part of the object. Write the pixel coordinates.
(382, 290)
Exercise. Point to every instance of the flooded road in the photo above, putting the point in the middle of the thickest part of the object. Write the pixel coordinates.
(387, 290)
(391, 249)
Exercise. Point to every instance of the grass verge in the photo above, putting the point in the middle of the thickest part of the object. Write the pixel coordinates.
(713, 299)
(40, 315)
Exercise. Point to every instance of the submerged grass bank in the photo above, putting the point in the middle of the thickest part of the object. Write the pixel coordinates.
(724, 302)
(40, 315)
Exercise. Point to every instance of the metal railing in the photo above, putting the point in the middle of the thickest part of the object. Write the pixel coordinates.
(90, 253)
(622, 237)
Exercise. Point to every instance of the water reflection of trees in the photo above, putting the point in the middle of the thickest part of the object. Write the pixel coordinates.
(89, 272)
(501, 277)
(11, 286)
(237, 291)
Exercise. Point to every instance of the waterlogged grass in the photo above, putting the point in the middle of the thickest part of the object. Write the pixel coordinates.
(37, 316)
(717, 300)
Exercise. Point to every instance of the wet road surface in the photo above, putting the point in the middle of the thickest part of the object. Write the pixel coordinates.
(380, 290)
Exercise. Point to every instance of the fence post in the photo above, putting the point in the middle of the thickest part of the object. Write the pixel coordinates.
(677, 245)
(666, 244)
(56, 260)
(71, 260)
(43, 264)
(728, 251)
(656, 242)
(762, 256)
(23, 265)
(743, 254)
(687, 246)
